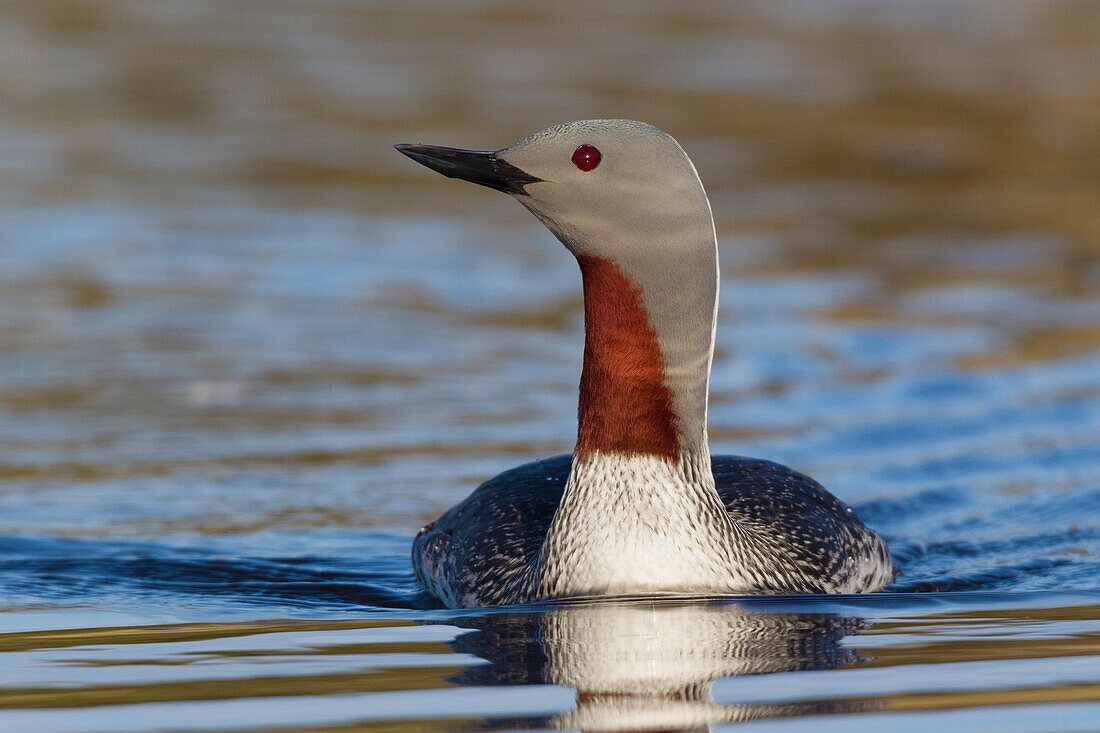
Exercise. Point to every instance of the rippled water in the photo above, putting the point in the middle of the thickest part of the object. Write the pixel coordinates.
(246, 350)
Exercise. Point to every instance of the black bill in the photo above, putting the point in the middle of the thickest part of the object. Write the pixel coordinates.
(476, 166)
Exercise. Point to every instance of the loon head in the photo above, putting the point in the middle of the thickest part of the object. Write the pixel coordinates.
(617, 189)
(626, 200)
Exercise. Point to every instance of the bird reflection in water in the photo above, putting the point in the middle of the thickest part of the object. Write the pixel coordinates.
(651, 664)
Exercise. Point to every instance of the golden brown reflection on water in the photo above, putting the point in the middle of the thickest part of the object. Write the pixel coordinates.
(647, 678)
(169, 646)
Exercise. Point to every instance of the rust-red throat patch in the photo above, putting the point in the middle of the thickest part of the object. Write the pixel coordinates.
(625, 402)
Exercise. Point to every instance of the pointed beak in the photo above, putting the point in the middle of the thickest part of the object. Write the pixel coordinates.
(476, 166)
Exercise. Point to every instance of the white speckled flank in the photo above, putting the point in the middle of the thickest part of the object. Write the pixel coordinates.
(642, 506)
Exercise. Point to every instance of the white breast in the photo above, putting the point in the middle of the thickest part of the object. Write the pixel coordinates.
(638, 524)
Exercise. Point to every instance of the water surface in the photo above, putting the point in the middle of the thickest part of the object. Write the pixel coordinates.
(246, 350)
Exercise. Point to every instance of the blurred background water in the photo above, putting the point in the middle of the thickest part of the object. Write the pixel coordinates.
(246, 349)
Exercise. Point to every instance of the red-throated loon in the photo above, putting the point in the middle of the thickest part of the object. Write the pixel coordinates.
(641, 506)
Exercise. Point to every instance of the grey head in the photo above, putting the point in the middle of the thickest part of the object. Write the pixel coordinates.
(636, 185)
(620, 192)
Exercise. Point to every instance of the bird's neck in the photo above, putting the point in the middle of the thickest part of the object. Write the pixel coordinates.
(643, 387)
(640, 510)
(626, 403)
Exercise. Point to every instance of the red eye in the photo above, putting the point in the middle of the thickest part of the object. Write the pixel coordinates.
(586, 158)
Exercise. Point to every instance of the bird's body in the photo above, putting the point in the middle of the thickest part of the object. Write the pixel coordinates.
(485, 551)
(641, 506)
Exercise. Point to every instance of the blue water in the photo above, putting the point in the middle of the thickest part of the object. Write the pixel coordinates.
(943, 540)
